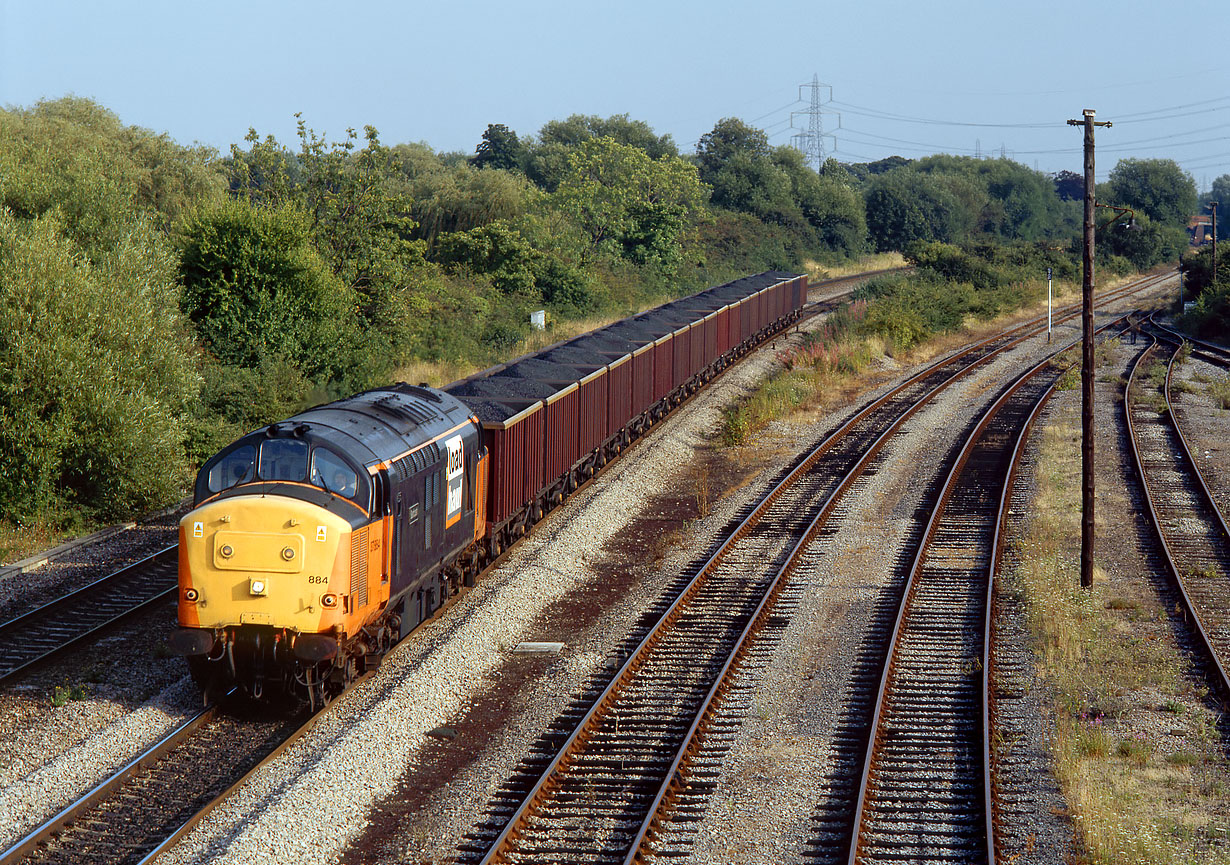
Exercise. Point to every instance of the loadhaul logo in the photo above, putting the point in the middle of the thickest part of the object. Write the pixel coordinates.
(454, 476)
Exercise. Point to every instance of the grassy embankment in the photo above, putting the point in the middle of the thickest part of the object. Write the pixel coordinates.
(20, 540)
(440, 373)
(883, 330)
(879, 261)
(1136, 747)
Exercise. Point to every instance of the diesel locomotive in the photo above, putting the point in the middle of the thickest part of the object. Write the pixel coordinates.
(318, 542)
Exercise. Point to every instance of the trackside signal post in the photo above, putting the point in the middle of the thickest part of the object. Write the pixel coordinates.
(1048, 304)
(1087, 357)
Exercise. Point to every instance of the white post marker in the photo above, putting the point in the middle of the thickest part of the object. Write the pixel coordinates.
(1048, 304)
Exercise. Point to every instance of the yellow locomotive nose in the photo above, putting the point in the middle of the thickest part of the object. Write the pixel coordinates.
(263, 560)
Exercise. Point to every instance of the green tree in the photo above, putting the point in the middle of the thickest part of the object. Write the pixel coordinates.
(96, 373)
(1221, 194)
(1144, 243)
(500, 148)
(548, 157)
(904, 206)
(495, 249)
(257, 291)
(461, 198)
(619, 127)
(628, 205)
(1159, 188)
(826, 204)
(76, 158)
(730, 138)
(1069, 185)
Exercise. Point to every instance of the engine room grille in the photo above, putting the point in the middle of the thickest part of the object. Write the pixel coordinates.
(358, 569)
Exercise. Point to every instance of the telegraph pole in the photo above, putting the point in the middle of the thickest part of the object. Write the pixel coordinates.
(1087, 484)
(1213, 204)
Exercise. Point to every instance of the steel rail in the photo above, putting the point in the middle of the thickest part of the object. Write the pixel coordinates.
(15, 632)
(997, 552)
(146, 761)
(1188, 456)
(908, 593)
(649, 824)
(107, 786)
(189, 824)
(11, 630)
(673, 775)
(167, 744)
(636, 658)
(1220, 354)
(1189, 604)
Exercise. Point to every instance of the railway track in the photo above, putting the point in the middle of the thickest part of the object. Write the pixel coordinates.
(925, 791)
(575, 800)
(1210, 351)
(1194, 537)
(177, 812)
(44, 632)
(148, 804)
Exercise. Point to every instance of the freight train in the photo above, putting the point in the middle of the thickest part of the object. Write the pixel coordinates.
(318, 542)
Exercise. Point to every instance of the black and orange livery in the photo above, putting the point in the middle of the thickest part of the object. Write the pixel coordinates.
(305, 531)
(318, 542)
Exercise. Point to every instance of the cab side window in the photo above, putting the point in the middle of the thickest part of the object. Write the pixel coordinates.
(330, 472)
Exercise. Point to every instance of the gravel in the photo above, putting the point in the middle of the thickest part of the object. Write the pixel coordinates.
(1205, 425)
(104, 736)
(117, 695)
(313, 802)
(83, 565)
(315, 798)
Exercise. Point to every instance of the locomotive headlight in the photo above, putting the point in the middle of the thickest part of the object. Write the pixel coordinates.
(256, 587)
(329, 601)
(191, 594)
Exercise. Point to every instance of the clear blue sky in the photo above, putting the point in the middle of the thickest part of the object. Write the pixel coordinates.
(440, 72)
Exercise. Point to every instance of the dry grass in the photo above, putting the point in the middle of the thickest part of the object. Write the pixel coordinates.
(702, 488)
(438, 373)
(802, 391)
(21, 540)
(1136, 749)
(880, 261)
(1219, 392)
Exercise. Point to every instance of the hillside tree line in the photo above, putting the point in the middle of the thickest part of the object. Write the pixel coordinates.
(157, 300)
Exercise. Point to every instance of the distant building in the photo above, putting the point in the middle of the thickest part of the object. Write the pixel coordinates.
(1201, 230)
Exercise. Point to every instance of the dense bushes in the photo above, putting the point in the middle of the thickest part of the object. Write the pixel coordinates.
(98, 377)
(257, 291)
(1209, 318)
(159, 300)
(951, 284)
(96, 373)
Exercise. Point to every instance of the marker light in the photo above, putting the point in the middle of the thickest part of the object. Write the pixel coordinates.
(256, 587)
